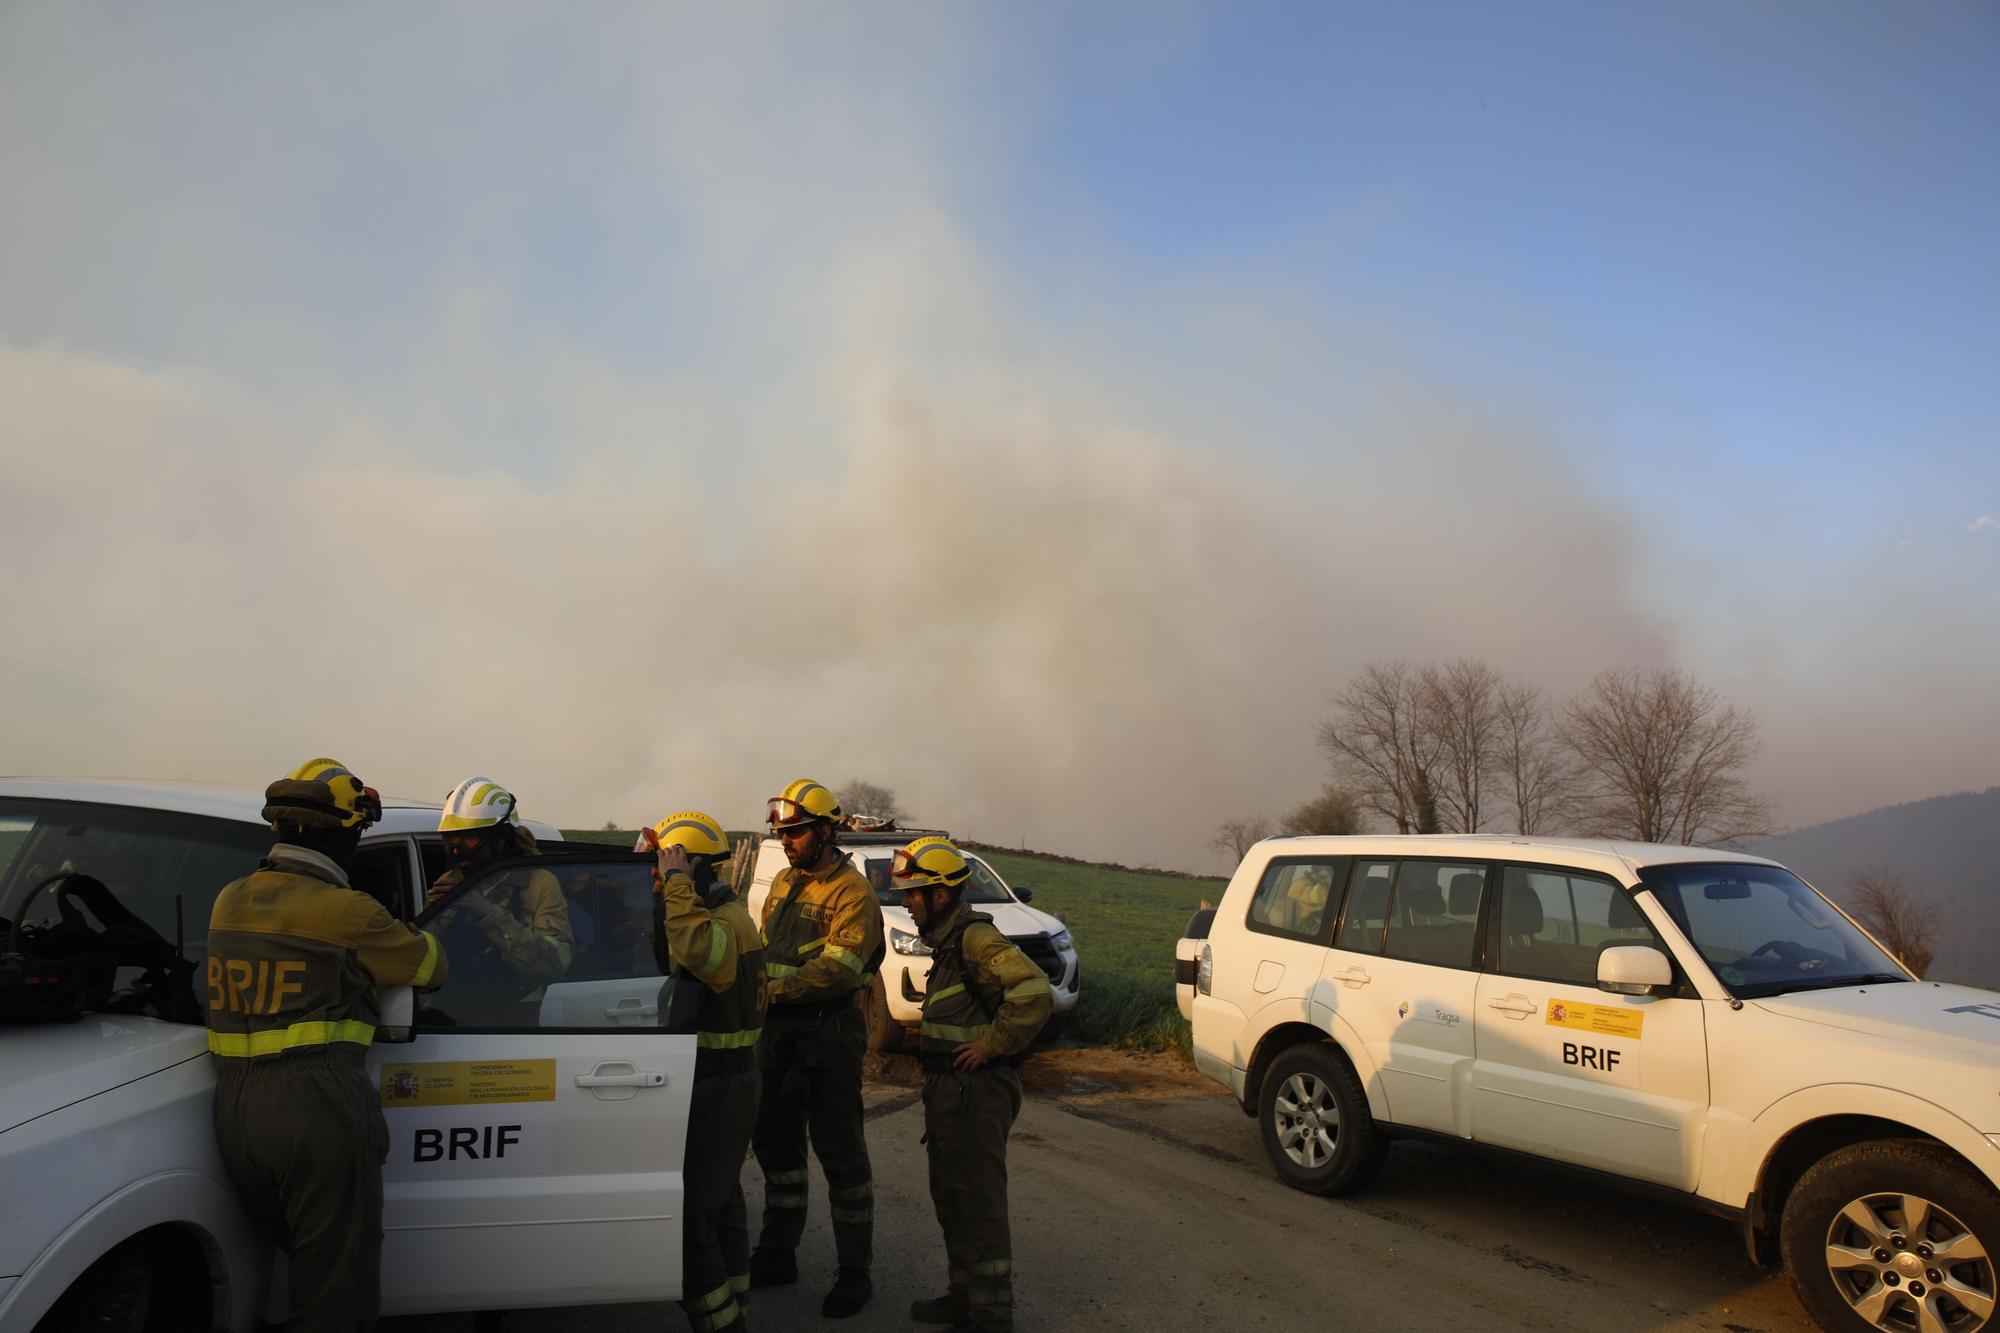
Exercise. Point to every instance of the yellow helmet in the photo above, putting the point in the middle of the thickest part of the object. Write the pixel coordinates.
(928, 861)
(321, 793)
(690, 829)
(476, 803)
(801, 803)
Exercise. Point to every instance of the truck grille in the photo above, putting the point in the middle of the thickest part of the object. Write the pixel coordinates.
(1040, 952)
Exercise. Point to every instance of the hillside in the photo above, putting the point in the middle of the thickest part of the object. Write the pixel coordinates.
(1946, 848)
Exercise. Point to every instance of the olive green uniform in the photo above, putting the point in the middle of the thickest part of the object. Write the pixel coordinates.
(293, 957)
(715, 944)
(823, 942)
(506, 956)
(981, 989)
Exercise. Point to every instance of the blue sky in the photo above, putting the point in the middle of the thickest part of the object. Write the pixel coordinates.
(1211, 329)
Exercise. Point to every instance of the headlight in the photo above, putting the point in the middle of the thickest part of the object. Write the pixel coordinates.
(902, 941)
(1062, 943)
(1204, 970)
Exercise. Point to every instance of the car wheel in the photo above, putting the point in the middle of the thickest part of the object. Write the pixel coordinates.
(1314, 1115)
(113, 1295)
(884, 1032)
(1893, 1235)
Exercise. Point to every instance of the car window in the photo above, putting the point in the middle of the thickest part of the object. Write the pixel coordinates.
(1764, 930)
(164, 868)
(1554, 924)
(1367, 914)
(1296, 897)
(1434, 913)
(431, 852)
(500, 972)
(382, 871)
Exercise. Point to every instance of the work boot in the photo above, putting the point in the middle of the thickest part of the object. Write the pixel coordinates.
(950, 1308)
(773, 1268)
(851, 1290)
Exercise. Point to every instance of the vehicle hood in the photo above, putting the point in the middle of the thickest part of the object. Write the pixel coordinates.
(1013, 919)
(47, 1066)
(1962, 1019)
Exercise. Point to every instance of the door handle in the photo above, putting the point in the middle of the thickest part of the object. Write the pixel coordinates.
(632, 1078)
(632, 1007)
(1514, 1006)
(1353, 976)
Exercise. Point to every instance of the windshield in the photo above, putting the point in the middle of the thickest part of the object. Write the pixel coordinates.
(983, 887)
(1765, 931)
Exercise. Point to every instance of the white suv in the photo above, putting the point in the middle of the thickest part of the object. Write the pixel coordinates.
(1700, 1024)
(536, 1134)
(895, 999)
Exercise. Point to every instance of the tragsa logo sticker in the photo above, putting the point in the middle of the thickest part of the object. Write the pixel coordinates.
(1403, 1009)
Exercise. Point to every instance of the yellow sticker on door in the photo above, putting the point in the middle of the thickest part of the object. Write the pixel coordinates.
(468, 1083)
(1606, 1020)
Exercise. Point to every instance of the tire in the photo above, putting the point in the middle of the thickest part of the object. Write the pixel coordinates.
(1314, 1116)
(1857, 1205)
(113, 1295)
(884, 1032)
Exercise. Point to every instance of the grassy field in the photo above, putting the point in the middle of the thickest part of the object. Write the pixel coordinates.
(1125, 924)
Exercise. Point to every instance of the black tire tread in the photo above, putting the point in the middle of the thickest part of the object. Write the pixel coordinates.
(1362, 1146)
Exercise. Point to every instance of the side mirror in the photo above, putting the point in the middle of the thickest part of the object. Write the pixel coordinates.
(1023, 892)
(398, 1008)
(1634, 969)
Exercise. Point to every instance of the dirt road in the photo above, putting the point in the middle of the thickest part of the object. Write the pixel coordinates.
(1142, 1200)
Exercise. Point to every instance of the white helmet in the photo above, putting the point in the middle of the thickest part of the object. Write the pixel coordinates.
(476, 803)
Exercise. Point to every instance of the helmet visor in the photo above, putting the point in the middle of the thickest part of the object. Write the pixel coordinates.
(904, 866)
(647, 841)
(370, 805)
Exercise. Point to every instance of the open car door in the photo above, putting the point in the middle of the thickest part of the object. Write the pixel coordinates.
(538, 1113)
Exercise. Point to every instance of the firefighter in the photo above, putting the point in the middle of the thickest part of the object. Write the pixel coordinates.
(984, 1001)
(520, 927)
(293, 953)
(823, 941)
(710, 940)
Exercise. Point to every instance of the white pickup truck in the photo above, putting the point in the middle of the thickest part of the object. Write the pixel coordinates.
(1693, 1024)
(536, 1139)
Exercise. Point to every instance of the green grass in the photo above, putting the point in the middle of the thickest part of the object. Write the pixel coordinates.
(1125, 923)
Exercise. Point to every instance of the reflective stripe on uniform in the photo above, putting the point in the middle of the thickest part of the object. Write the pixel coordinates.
(945, 1032)
(851, 960)
(947, 992)
(711, 1301)
(993, 1268)
(727, 1041)
(775, 1197)
(718, 946)
(776, 970)
(274, 1040)
(859, 1201)
(1032, 986)
(429, 965)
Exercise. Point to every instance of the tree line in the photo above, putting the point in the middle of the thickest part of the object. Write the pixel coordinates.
(1458, 747)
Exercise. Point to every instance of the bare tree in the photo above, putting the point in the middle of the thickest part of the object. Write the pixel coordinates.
(1662, 759)
(1906, 926)
(869, 798)
(1530, 766)
(1383, 744)
(1333, 811)
(1236, 836)
(1460, 701)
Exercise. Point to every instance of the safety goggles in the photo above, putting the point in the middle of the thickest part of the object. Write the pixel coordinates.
(647, 841)
(904, 866)
(370, 804)
(784, 810)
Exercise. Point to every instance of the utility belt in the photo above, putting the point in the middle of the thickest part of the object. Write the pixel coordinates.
(940, 1062)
